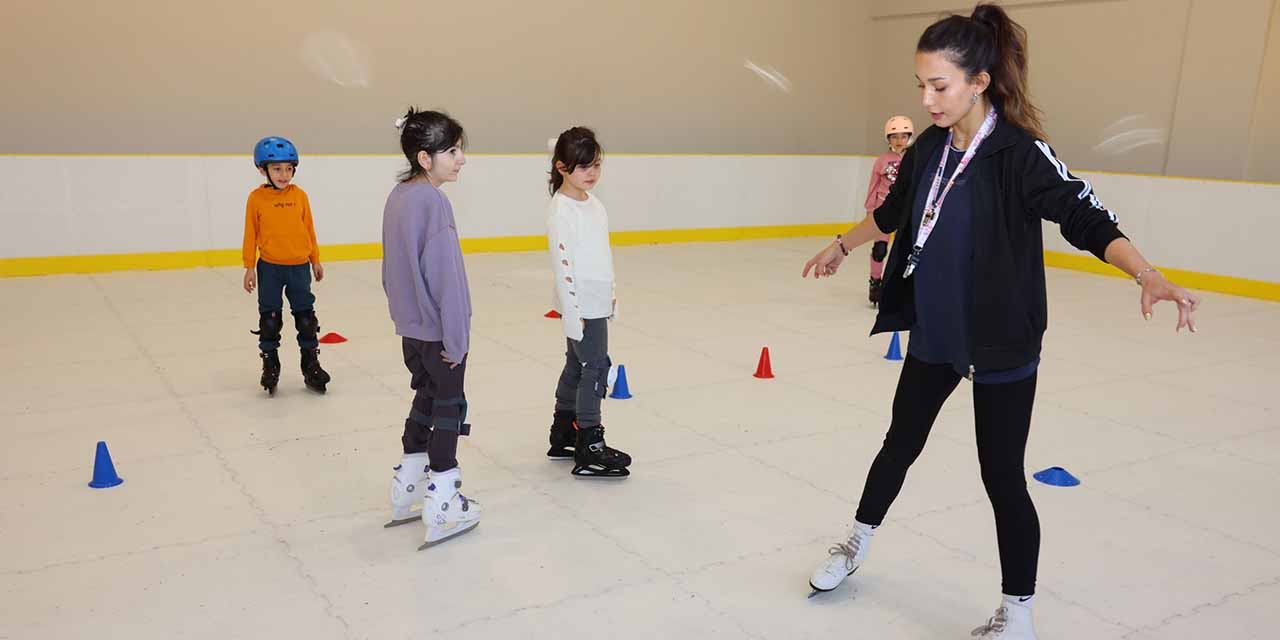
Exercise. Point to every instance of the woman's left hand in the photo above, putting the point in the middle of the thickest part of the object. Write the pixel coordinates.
(1155, 288)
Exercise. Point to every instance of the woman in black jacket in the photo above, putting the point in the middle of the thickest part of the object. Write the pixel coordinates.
(966, 278)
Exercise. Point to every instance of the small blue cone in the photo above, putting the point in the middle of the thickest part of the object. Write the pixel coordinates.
(620, 391)
(104, 472)
(1057, 477)
(895, 348)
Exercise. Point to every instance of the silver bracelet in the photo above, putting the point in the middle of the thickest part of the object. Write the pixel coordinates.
(1138, 278)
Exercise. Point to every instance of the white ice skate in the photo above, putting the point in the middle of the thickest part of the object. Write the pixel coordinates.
(407, 488)
(445, 511)
(842, 559)
(1011, 622)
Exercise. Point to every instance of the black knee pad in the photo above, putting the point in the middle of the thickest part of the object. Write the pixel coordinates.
(419, 417)
(307, 323)
(269, 326)
(879, 250)
(451, 423)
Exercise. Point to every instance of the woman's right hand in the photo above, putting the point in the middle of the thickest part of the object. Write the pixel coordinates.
(825, 263)
(250, 280)
(453, 364)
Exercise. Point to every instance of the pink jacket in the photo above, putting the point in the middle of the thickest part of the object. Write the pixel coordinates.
(883, 176)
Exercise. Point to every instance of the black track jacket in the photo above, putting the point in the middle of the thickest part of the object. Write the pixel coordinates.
(1015, 181)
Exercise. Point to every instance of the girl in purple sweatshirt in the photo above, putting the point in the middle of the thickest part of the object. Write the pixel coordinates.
(430, 303)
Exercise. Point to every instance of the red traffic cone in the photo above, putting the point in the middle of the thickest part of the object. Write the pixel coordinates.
(765, 368)
(552, 314)
(332, 338)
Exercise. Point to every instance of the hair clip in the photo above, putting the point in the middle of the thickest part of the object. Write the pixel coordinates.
(400, 122)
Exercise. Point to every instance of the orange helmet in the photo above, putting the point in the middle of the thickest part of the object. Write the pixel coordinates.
(899, 124)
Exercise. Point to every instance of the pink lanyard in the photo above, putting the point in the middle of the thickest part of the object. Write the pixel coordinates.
(933, 202)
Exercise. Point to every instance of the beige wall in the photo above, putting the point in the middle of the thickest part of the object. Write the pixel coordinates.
(1184, 87)
(1217, 90)
(156, 76)
(1141, 86)
(1264, 141)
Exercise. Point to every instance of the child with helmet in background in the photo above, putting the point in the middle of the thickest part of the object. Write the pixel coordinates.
(897, 132)
(280, 256)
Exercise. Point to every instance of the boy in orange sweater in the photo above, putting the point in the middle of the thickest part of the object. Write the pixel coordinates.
(280, 255)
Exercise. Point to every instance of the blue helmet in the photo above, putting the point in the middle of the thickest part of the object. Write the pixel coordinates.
(273, 149)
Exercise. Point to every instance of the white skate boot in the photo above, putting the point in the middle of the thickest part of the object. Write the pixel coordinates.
(407, 488)
(1012, 621)
(445, 511)
(842, 560)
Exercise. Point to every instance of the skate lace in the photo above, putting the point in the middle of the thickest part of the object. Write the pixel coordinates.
(995, 624)
(847, 549)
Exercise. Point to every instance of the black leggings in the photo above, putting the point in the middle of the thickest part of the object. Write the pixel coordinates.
(1002, 415)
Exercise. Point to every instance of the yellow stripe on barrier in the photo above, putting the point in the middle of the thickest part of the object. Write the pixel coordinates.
(1260, 289)
(11, 267)
(15, 267)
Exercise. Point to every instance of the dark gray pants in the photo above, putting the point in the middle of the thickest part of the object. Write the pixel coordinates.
(585, 379)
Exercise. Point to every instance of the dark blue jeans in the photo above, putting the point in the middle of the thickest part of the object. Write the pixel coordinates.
(277, 281)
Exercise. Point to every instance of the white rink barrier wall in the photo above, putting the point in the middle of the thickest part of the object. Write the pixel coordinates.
(65, 214)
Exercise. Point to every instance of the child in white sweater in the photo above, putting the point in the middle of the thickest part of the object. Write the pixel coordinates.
(578, 238)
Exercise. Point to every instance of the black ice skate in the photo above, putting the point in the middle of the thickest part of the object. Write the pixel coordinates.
(270, 370)
(562, 436)
(593, 458)
(315, 377)
(873, 291)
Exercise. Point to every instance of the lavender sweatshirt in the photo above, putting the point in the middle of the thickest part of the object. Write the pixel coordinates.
(422, 270)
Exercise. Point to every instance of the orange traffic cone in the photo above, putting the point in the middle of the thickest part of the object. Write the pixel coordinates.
(765, 368)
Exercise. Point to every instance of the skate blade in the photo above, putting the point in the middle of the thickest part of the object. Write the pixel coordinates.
(453, 534)
(815, 590)
(317, 388)
(396, 523)
(568, 458)
(608, 474)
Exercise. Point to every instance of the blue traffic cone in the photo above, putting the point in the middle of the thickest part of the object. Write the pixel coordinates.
(1057, 477)
(895, 348)
(104, 472)
(620, 391)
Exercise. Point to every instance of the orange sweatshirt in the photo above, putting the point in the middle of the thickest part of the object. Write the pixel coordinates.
(278, 224)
